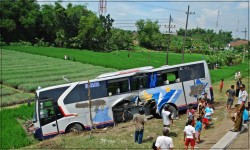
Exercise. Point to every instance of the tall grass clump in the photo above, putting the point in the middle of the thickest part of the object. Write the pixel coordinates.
(12, 133)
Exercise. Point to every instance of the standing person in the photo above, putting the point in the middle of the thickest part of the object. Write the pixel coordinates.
(243, 96)
(221, 85)
(208, 113)
(198, 128)
(189, 135)
(166, 116)
(190, 113)
(238, 83)
(164, 142)
(139, 120)
(236, 75)
(231, 96)
(239, 75)
(207, 100)
(201, 107)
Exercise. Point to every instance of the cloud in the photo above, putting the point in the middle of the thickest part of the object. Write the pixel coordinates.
(242, 5)
(157, 10)
(201, 21)
(210, 12)
(125, 10)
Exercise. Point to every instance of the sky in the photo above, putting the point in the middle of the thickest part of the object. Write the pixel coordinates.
(231, 15)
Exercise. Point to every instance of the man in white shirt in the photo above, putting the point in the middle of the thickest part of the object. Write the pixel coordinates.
(164, 142)
(189, 135)
(242, 99)
(166, 116)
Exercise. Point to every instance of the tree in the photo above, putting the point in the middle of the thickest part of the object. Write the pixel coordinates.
(18, 18)
(148, 31)
(121, 39)
(49, 27)
(104, 39)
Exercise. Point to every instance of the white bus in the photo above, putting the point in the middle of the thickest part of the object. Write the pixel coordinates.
(116, 97)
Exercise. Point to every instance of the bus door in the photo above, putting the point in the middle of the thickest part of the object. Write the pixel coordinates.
(48, 119)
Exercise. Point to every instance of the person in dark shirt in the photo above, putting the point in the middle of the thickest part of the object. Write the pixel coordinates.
(207, 100)
(231, 96)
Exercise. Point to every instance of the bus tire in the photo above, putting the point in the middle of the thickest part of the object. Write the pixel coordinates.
(76, 127)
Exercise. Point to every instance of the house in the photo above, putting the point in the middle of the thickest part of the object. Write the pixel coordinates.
(238, 43)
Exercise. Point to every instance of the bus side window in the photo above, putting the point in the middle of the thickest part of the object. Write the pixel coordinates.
(134, 83)
(161, 78)
(117, 87)
(47, 114)
(171, 78)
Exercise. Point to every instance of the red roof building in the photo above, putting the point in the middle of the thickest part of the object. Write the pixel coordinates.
(238, 43)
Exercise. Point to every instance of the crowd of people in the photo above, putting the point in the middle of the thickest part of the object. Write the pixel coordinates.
(197, 120)
(192, 129)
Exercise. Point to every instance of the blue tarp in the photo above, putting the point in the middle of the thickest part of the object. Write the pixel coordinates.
(245, 115)
(153, 80)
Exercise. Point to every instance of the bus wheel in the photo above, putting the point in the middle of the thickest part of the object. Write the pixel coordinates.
(74, 128)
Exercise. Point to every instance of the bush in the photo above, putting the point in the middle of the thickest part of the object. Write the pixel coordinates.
(20, 43)
(223, 58)
(41, 43)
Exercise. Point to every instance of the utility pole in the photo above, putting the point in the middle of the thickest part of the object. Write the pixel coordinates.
(168, 39)
(244, 53)
(237, 30)
(188, 13)
(90, 105)
(217, 22)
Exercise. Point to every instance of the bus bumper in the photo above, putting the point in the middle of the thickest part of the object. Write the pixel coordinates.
(38, 134)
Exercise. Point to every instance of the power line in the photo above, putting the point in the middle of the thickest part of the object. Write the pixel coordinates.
(139, 19)
(154, 6)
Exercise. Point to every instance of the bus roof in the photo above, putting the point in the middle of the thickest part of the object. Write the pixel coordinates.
(174, 66)
(119, 74)
(128, 71)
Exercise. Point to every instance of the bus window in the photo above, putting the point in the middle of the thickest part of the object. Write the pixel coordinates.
(47, 114)
(172, 78)
(167, 77)
(161, 79)
(80, 92)
(139, 82)
(117, 87)
(192, 72)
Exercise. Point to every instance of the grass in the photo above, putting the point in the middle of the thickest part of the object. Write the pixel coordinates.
(120, 60)
(11, 96)
(229, 71)
(26, 72)
(7, 90)
(12, 133)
